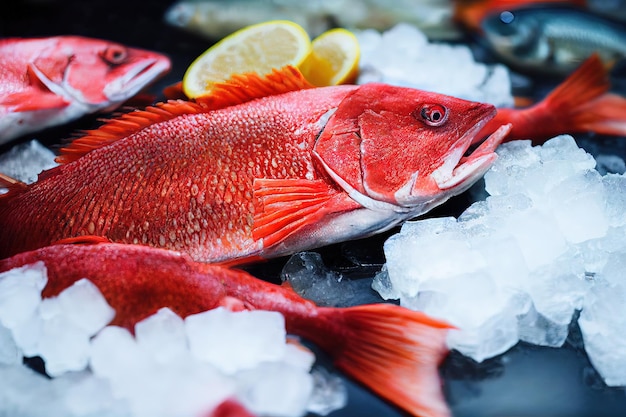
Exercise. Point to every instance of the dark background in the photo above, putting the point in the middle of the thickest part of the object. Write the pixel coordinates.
(525, 381)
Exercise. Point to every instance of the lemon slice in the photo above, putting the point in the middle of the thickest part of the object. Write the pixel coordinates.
(257, 48)
(333, 60)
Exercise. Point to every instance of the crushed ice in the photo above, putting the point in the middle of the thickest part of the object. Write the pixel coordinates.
(170, 367)
(403, 56)
(547, 241)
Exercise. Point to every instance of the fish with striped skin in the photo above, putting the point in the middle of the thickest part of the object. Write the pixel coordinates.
(46, 82)
(390, 349)
(264, 166)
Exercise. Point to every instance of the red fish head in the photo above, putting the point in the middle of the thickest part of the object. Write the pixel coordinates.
(97, 73)
(403, 149)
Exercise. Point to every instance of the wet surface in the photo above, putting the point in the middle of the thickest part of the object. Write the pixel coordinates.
(525, 381)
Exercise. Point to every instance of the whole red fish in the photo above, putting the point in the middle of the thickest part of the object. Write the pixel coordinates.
(581, 103)
(263, 167)
(50, 81)
(392, 350)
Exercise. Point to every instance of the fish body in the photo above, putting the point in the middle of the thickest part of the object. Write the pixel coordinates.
(50, 81)
(215, 19)
(269, 176)
(553, 40)
(388, 348)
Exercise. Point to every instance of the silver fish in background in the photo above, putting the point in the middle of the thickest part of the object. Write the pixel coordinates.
(553, 40)
(215, 19)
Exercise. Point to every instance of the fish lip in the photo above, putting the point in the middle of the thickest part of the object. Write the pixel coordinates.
(478, 162)
(456, 168)
(136, 78)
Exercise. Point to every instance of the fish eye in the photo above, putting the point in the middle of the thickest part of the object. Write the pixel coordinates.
(114, 54)
(433, 114)
(507, 17)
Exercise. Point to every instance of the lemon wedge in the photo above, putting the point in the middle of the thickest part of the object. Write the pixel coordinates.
(257, 48)
(334, 59)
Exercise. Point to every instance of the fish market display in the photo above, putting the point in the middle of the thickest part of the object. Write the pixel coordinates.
(369, 342)
(264, 169)
(553, 40)
(50, 81)
(215, 19)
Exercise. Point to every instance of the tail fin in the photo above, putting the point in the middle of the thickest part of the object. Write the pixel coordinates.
(393, 351)
(583, 104)
(579, 104)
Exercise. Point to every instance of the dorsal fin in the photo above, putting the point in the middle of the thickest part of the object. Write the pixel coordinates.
(241, 88)
(129, 123)
(12, 185)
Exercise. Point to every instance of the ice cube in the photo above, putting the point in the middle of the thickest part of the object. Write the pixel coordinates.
(493, 336)
(311, 279)
(9, 352)
(63, 346)
(329, 392)
(232, 341)
(538, 236)
(578, 204)
(162, 335)
(116, 356)
(275, 389)
(20, 293)
(615, 203)
(601, 322)
(93, 396)
(85, 306)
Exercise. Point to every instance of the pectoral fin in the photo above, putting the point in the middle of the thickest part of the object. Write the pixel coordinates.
(33, 100)
(284, 206)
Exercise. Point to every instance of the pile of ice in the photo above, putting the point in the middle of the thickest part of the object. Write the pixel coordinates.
(549, 239)
(404, 56)
(170, 367)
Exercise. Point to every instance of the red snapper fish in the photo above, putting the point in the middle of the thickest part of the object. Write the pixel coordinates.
(390, 349)
(50, 81)
(265, 166)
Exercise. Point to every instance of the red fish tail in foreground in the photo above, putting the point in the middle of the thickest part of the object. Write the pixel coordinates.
(392, 350)
(580, 104)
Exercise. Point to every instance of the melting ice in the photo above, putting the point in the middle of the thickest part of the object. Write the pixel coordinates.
(548, 240)
(170, 367)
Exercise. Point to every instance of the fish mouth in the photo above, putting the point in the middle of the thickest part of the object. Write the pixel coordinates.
(460, 169)
(135, 79)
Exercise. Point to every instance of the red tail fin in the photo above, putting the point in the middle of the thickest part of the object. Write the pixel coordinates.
(580, 104)
(393, 351)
